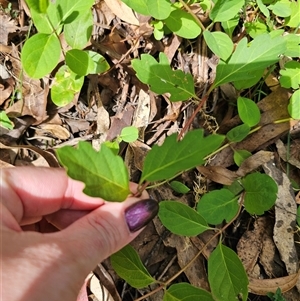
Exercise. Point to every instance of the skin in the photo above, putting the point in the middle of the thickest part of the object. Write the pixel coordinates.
(37, 261)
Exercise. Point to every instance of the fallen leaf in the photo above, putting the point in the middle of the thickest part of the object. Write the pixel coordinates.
(264, 286)
(285, 218)
(253, 162)
(56, 130)
(121, 10)
(218, 174)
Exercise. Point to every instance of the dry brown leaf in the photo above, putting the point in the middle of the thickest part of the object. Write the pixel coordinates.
(264, 286)
(56, 130)
(285, 218)
(283, 154)
(250, 246)
(121, 10)
(49, 157)
(253, 162)
(218, 174)
(7, 25)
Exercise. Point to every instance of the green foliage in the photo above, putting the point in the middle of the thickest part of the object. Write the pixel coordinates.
(226, 275)
(162, 78)
(5, 121)
(240, 155)
(104, 173)
(182, 23)
(179, 187)
(219, 43)
(181, 219)
(41, 52)
(186, 292)
(248, 62)
(159, 9)
(224, 10)
(238, 133)
(162, 162)
(128, 265)
(65, 85)
(260, 193)
(39, 6)
(248, 111)
(277, 296)
(129, 134)
(218, 205)
(290, 75)
(294, 105)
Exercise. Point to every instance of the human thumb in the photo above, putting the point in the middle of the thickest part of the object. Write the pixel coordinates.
(104, 231)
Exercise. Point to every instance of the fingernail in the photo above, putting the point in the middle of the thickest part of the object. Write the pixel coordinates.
(140, 214)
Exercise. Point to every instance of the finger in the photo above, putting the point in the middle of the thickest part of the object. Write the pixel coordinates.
(30, 193)
(105, 230)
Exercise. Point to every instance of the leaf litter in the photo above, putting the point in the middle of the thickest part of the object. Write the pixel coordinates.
(267, 245)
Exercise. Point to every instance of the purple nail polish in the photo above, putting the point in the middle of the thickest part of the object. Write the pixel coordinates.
(140, 214)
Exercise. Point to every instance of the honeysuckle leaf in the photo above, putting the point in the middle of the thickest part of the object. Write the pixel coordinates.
(162, 79)
(165, 161)
(226, 275)
(128, 266)
(103, 173)
(181, 219)
(248, 59)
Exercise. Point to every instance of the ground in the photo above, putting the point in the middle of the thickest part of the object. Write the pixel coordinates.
(267, 244)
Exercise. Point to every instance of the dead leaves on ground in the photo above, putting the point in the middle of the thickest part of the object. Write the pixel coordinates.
(267, 245)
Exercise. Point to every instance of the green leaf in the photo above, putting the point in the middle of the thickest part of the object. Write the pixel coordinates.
(256, 28)
(69, 10)
(292, 45)
(104, 174)
(78, 32)
(181, 219)
(298, 216)
(165, 161)
(46, 22)
(248, 83)
(159, 9)
(40, 55)
(262, 52)
(260, 193)
(39, 6)
(162, 79)
(248, 111)
(218, 205)
(186, 292)
(226, 275)
(240, 155)
(5, 121)
(225, 10)
(219, 43)
(129, 134)
(183, 24)
(128, 266)
(79, 62)
(100, 63)
(65, 85)
(294, 105)
(179, 187)
(263, 8)
(293, 20)
(281, 8)
(230, 25)
(238, 133)
(113, 146)
(290, 75)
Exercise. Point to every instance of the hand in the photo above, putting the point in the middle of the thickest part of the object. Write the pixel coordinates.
(42, 264)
